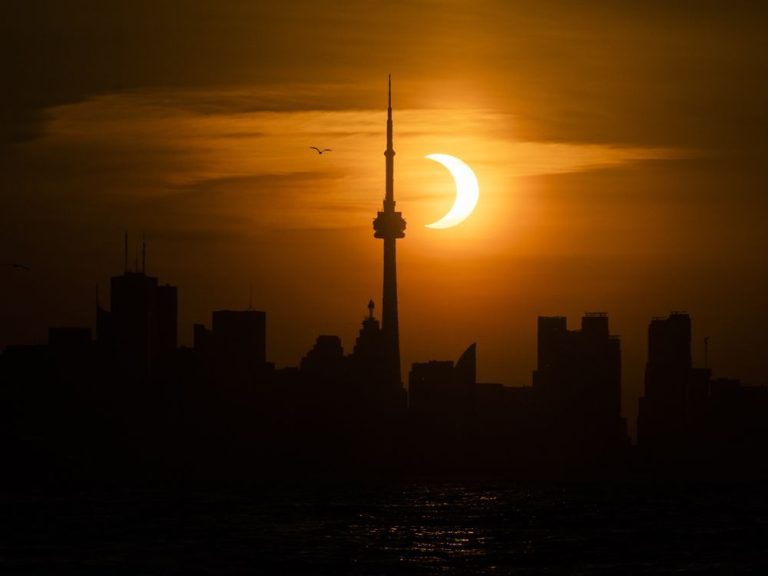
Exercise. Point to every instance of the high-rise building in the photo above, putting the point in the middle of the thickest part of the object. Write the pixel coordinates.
(443, 389)
(389, 225)
(689, 421)
(143, 321)
(671, 383)
(577, 385)
(141, 325)
(133, 307)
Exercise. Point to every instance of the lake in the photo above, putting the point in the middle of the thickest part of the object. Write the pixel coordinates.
(390, 528)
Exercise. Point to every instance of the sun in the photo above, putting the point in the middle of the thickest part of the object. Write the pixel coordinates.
(467, 191)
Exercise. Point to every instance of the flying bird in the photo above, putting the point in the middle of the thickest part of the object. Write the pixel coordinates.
(316, 149)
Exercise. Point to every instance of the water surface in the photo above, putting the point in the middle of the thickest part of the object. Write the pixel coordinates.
(414, 528)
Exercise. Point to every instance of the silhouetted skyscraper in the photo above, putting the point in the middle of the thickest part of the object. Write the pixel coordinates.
(688, 421)
(141, 325)
(577, 385)
(672, 387)
(389, 225)
(662, 414)
(669, 342)
(132, 308)
(143, 321)
(439, 387)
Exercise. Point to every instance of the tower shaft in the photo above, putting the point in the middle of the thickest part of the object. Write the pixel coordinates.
(389, 225)
(389, 314)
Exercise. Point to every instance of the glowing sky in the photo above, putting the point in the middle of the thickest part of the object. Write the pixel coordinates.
(620, 152)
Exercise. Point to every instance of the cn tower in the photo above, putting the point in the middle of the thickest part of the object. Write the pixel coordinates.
(389, 225)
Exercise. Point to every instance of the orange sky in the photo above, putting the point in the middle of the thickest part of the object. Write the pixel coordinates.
(620, 154)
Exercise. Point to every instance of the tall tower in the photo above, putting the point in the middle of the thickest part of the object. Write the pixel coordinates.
(389, 225)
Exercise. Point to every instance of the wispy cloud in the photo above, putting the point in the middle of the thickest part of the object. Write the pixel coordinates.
(256, 168)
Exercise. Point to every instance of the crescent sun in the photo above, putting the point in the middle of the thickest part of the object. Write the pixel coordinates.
(467, 191)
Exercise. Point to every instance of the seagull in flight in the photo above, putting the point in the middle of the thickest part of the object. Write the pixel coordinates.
(316, 149)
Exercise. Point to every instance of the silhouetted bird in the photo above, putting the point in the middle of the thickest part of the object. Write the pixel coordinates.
(320, 151)
(19, 266)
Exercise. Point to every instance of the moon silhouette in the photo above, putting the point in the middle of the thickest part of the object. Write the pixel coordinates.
(467, 191)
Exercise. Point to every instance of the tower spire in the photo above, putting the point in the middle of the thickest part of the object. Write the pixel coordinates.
(389, 114)
(389, 198)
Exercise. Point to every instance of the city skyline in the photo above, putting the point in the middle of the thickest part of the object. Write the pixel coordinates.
(530, 337)
(144, 329)
(628, 180)
(127, 403)
(572, 407)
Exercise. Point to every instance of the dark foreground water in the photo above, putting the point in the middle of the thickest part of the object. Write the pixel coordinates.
(390, 529)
